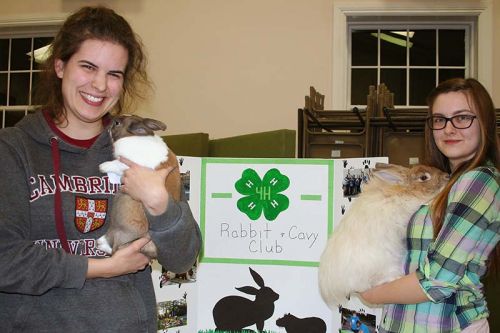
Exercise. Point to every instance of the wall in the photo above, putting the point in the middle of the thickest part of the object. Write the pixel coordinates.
(236, 67)
(496, 53)
(230, 67)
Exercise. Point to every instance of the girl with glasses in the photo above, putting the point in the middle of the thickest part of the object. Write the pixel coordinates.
(454, 241)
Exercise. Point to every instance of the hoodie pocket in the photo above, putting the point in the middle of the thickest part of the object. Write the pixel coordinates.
(102, 305)
(24, 311)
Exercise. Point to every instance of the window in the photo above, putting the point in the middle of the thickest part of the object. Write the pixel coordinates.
(410, 59)
(19, 72)
(380, 14)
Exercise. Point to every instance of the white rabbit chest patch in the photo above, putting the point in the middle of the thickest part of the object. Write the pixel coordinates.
(149, 151)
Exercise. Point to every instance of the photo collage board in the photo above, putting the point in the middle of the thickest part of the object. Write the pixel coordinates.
(264, 223)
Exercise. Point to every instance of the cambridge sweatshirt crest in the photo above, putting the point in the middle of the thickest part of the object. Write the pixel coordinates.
(90, 214)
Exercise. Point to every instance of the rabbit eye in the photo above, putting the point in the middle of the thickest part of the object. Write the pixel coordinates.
(424, 177)
(116, 122)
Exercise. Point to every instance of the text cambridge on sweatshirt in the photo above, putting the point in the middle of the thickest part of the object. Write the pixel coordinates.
(43, 288)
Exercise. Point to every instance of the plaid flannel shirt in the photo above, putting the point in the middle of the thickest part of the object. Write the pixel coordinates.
(449, 268)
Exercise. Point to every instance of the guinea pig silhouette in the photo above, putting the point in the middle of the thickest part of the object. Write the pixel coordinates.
(293, 324)
(368, 246)
(234, 313)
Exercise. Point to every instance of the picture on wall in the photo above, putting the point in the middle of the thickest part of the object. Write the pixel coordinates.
(354, 178)
(172, 313)
(357, 321)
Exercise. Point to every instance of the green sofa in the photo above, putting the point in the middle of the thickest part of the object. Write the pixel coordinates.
(274, 144)
(192, 144)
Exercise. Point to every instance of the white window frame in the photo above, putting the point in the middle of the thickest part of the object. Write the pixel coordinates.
(26, 28)
(482, 10)
(467, 25)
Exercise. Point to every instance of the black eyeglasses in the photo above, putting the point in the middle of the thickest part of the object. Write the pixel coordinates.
(461, 121)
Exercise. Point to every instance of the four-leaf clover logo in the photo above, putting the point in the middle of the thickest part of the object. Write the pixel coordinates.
(262, 195)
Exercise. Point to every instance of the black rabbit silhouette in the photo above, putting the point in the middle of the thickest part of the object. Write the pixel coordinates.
(233, 313)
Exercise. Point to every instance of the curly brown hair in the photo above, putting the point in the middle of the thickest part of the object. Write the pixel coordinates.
(489, 152)
(98, 23)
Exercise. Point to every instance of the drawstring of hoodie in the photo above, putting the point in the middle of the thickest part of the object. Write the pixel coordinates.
(56, 160)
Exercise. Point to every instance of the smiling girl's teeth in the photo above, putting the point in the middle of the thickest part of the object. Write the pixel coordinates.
(92, 98)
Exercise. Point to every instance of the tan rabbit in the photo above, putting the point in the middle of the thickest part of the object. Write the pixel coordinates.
(133, 138)
(369, 245)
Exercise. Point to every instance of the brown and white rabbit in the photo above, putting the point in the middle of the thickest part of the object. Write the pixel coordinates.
(369, 245)
(133, 138)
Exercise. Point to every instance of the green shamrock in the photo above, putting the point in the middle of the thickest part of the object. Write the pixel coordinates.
(262, 195)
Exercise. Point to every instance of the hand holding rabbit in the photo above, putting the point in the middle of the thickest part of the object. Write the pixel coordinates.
(125, 260)
(146, 185)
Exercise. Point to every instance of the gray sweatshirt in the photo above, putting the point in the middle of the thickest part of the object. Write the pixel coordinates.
(42, 287)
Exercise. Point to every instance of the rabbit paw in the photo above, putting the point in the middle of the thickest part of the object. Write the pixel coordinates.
(103, 245)
(114, 166)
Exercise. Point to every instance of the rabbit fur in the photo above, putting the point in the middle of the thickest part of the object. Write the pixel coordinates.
(368, 247)
(133, 138)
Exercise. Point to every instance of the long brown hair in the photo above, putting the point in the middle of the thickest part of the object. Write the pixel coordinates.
(489, 151)
(99, 23)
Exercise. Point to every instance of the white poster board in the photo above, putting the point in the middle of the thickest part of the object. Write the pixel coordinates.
(272, 217)
(176, 294)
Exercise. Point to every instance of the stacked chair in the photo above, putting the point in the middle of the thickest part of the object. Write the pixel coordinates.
(397, 133)
(498, 122)
(379, 130)
(330, 133)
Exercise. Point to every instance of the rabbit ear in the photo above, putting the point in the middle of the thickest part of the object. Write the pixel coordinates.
(257, 278)
(380, 165)
(248, 290)
(154, 124)
(390, 174)
(138, 129)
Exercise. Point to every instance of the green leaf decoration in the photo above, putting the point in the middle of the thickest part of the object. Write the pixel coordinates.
(262, 195)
